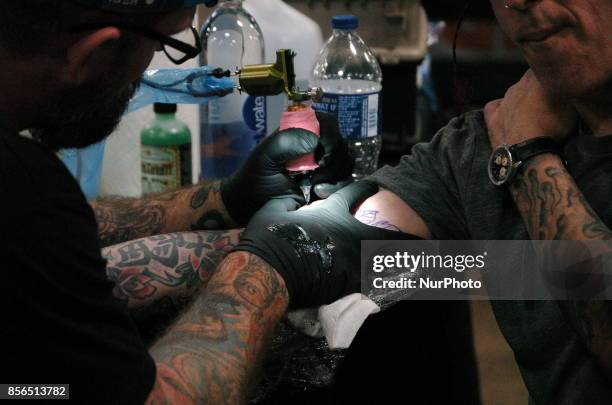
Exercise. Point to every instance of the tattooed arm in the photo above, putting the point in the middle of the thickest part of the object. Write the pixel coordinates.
(195, 208)
(173, 266)
(547, 197)
(553, 207)
(212, 353)
(158, 277)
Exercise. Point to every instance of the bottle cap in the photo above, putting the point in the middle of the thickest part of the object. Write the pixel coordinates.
(161, 108)
(345, 22)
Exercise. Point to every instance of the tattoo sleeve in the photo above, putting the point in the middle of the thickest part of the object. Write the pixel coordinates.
(175, 265)
(158, 277)
(553, 208)
(211, 354)
(195, 208)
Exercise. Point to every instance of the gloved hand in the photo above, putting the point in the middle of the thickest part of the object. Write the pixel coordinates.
(264, 175)
(336, 171)
(317, 249)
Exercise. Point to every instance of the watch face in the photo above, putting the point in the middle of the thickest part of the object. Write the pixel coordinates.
(501, 166)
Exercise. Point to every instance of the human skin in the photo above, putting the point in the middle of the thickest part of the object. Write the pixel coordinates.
(567, 45)
(571, 81)
(210, 354)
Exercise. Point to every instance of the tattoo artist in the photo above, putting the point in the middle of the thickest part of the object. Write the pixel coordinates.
(69, 68)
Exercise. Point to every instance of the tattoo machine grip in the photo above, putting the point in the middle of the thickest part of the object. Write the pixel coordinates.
(304, 118)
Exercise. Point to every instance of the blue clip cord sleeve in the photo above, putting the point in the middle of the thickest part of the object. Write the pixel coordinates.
(180, 86)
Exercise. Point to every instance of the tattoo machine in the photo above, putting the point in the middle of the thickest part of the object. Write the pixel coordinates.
(199, 85)
(276, 78)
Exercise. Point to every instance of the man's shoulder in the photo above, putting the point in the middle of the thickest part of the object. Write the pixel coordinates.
(31, 176)
(466, 129)
(456, 148)
(473, 120)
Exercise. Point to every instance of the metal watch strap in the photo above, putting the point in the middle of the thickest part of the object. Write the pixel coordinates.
(534, 147)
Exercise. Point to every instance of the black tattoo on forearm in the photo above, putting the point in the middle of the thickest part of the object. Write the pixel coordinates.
(123, 220)
(210, 220)
(547, 196)
(200, 197)
(553, 207)
(211, 217)
(195, 208)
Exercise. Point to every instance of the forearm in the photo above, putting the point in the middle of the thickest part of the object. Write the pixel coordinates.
(172, 266)
(211, 354)
(195, 208)
(553, 207)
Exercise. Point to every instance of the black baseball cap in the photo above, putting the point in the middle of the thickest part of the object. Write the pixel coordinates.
(144, 6)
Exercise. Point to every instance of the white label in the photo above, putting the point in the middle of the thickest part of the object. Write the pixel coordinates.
(372, 115)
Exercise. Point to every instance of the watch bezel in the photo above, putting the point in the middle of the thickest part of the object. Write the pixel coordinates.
(506, 149)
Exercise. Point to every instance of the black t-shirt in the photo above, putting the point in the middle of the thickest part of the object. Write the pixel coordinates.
(446, 183)
(60, 321)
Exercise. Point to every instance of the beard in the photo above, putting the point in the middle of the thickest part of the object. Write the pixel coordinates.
(81, 116)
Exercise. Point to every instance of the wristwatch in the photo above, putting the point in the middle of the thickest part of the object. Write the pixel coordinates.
(506, 160)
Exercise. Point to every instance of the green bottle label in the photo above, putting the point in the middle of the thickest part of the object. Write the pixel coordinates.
(165, 168)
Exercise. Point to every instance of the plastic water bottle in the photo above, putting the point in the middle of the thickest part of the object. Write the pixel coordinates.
(278, 21)
(233, 125)
(350, 76)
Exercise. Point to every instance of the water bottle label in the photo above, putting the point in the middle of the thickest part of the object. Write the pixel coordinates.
(358, 114)
(255, 113)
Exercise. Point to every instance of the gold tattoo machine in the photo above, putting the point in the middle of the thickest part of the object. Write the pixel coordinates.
(272, 79)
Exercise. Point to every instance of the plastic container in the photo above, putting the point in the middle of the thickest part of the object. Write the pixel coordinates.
(232, 126)
(278, 21)
(165, 152)
(351, 79)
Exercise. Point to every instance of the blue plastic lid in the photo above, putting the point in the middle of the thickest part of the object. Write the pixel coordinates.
(345, 22)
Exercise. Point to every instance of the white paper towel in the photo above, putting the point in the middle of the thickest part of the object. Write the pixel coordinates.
(339, 322)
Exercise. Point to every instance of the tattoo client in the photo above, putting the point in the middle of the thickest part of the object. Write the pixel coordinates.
(558, 121)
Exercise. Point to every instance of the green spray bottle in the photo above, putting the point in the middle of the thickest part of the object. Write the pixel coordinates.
(165, 152)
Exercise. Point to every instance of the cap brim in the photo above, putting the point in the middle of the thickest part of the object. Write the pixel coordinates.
(144, 6)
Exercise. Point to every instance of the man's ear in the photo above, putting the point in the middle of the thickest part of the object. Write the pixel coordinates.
(86, 57)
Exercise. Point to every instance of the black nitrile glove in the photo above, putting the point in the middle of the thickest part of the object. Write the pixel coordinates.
(264, 175)
(317, 249)
(332, 155)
